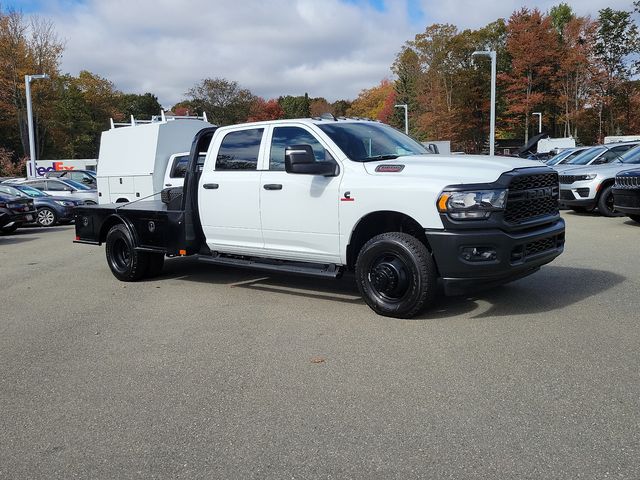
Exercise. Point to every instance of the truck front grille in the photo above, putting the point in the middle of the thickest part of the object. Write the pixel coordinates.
(626, 181)
(567, 179)
(531, 249)
(532, 196)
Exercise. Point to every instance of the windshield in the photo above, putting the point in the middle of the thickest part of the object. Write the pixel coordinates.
(631, 156)
(586, 156)
(32, 192)
(559, 157)
(76, 185)
(364, 142)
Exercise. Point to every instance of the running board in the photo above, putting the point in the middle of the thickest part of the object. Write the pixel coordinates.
(276, 266)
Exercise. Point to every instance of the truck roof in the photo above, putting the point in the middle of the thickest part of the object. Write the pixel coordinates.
(309, 121)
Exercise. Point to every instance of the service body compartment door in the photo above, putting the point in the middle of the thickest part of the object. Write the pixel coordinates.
(228, 195)
(299, 212)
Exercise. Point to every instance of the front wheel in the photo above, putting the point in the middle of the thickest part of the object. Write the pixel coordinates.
(46, 217)
(125, 262)
(396, 275)
(605, 203)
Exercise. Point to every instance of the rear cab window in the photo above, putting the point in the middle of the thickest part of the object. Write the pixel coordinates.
(239, 150)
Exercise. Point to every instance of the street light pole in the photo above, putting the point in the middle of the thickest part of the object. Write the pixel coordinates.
(406, 116)
(539, 114)
(492, 128)
(32, 138)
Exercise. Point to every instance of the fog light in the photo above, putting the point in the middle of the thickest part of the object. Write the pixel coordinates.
(478, 254)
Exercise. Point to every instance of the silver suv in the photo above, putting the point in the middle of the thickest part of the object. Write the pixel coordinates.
(584, 188)
(598, 155)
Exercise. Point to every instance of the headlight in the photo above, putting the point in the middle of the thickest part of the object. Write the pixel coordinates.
(589, 176)
(64, 203)
(472, 204)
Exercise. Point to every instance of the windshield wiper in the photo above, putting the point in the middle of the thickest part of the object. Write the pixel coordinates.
(379, 157)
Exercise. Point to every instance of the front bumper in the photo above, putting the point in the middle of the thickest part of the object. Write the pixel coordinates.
(627, 200)
(25, 217)
(578, 194)
(517, 254)
(65, 213)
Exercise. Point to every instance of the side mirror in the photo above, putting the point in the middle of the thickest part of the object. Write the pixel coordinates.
(300, 159)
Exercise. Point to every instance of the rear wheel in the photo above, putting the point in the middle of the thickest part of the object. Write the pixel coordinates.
(46, 217)
(635, 218)
(396, 275)
(125, 262)
(605, 203)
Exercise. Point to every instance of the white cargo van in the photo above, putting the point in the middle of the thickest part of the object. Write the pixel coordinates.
(137, 160)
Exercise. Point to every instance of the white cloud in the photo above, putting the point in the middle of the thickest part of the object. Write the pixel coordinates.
(327, 48)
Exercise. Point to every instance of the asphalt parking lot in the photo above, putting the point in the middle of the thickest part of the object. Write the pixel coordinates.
(210, 372)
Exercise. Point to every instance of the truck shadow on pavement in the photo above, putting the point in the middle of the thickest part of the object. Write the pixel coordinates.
(552, 288)
(343, 290)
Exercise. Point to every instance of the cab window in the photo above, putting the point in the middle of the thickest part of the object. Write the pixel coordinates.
(239, 150)
(179, 167)
(284, 137)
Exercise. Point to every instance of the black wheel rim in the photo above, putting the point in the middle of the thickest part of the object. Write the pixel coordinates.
(121, 255)
(609, 203)
(389, 277)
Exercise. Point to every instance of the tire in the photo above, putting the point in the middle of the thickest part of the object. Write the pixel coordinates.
(125, 262)
(156, 262)
(46, 217)
(635, 218)
(10, 228)
(90, 202)
(605, 203)
(396, 275)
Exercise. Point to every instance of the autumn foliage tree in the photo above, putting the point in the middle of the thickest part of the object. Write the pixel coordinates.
(262, 109)
(373, 102)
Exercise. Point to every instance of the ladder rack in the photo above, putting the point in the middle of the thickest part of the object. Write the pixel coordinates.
(157, 119)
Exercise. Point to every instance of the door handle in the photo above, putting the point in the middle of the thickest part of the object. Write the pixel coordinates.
(167, 184)
(272, 186)
(210, 186)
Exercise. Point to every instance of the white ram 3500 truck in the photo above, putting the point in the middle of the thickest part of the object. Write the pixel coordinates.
(322, 197)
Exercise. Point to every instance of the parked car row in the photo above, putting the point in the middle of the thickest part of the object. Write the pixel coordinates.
(44, 201)
(590, 178)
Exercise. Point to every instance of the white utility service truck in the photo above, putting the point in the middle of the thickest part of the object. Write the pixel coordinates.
(327, 196)
(138, 159)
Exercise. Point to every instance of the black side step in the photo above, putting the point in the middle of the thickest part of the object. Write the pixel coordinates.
(276, 266)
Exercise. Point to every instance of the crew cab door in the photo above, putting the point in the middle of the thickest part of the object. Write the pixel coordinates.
(228, 192)
(299, 212)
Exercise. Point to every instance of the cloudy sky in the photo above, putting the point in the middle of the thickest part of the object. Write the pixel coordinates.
(329, 48)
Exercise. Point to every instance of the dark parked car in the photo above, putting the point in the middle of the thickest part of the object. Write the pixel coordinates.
(19, 210)
(87, 177)
(51, 210)
(626, 194)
